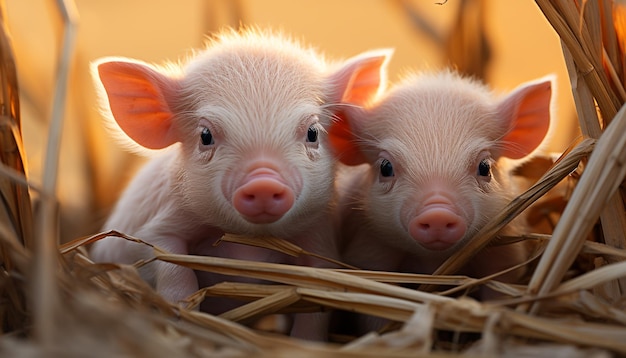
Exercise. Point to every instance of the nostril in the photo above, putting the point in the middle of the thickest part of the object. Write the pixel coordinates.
(434, 226)
(263, 200)
(437, 228)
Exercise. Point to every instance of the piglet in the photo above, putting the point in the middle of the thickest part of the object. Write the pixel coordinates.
(431, 164)
(242, 127)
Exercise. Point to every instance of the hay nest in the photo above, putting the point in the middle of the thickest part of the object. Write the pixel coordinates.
(55, 301)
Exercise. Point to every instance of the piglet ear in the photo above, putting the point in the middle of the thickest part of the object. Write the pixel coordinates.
(138, 98)
(361, 78)
(343, 141)
(356, 84)
(527, 111)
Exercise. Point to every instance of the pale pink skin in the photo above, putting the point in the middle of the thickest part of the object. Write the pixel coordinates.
(259, 95)
(435, 130)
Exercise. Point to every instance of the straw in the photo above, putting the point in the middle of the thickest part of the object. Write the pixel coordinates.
(570, 303)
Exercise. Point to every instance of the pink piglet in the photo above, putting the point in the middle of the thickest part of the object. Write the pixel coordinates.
(240, 129)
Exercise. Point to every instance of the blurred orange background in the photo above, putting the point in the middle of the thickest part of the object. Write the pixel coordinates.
(93, 169)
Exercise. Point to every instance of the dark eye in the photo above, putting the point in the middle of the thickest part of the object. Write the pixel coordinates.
(206, 137)
(386, 169)
(311, 134)
(484, 168)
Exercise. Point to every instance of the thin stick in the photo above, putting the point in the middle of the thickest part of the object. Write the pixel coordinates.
(45, 295)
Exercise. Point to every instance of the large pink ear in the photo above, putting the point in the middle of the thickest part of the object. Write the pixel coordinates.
(362, 77)
(357, 83)
(137, 96)
(527, 110)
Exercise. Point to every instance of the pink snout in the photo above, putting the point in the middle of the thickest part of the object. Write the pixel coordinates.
(263, 197)
(437, 227)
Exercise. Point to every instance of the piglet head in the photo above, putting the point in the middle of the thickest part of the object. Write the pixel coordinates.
(250, 114)
(437, 146)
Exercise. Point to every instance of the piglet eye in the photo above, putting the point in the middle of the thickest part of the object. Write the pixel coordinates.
(311, 134)
(206, 137)
(386, 168)
(484, 168)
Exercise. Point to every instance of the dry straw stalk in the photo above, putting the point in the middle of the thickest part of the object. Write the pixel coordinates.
(567, 306)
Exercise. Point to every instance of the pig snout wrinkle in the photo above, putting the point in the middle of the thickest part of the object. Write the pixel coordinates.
(263, 198)
(437, 227)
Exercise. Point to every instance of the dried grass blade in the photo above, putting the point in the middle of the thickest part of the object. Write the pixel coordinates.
(470, 316)
(244, 291)
(279, 245)
(473, 317)
(69, 15)
(596, 248)
(615, 79)
(579, 333)
(247, 292)
(255, 343)
(593, 306)
(16, 208)
(591, 29)
(401, 277)
(565, 21)
(15, 197)
(613, 217)
(467, 35)
(417, 332)
(619, 21)
(500, 287)
(308, 277)
(414, 337)
(591, 39)
(266, 305)
(45, 290)
(583, 99)
(252, 341)
(609, 36)
(603, 175)
(80, 242)
(566, 33)
(200, 336)
(15, 253)
(376, 305)
(593, 278)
